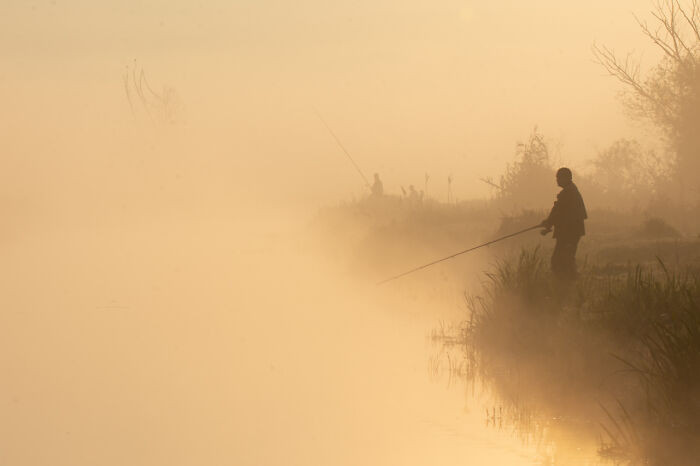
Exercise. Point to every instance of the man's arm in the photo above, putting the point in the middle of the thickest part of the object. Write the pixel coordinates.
(551, 219)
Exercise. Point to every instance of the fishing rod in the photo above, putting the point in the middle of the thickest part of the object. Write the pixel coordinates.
(340, 144)
(491, 183)
(459, 253)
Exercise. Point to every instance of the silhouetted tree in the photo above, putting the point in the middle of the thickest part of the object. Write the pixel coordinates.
(669, 94)
(529, 181)
(626, 174)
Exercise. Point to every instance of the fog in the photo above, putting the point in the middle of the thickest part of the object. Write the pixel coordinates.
(163, 300)
(410, 89)
(154, 345)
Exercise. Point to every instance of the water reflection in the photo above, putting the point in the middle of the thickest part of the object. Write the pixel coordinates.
(513, 407)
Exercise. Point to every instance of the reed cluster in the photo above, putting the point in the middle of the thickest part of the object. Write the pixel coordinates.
(622, 350)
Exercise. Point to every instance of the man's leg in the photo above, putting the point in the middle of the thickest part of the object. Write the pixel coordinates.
(557, 259)
(564, 258)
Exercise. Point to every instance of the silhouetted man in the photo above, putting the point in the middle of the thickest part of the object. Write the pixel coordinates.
(377, 187)
(566, 218)
(414, 198)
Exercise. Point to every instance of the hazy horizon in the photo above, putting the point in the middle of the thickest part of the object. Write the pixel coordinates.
(171, 299)
(419, 87)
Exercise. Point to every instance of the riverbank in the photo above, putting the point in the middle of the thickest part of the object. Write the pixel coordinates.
(385, 236)
(618, 351)
(614, 356)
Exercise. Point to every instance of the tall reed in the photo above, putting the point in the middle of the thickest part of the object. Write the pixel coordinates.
(627, 343)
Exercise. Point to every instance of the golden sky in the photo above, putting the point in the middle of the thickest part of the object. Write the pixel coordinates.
(443, 87)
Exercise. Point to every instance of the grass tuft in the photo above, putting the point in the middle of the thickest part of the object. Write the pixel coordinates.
(628, 344)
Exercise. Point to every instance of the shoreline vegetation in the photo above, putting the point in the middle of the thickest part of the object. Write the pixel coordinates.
(618, 351)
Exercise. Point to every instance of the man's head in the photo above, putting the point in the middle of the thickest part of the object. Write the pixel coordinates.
(564, 177)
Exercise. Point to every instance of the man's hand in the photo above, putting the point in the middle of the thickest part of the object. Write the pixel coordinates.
(547, 228)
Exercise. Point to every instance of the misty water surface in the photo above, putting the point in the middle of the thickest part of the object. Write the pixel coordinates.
(208, 344)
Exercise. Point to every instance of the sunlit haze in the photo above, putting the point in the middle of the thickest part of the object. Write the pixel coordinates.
(223, 224)
(409, 87)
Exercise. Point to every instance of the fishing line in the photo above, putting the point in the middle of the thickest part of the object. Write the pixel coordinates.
(340, 144)
(458, 253)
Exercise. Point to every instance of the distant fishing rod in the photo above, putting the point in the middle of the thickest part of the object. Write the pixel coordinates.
(459, 253)
(340, 144)
(491, 183)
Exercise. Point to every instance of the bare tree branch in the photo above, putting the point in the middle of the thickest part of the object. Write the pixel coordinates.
(625, 72)
(669, 94)
(656, 38)
(692, 18)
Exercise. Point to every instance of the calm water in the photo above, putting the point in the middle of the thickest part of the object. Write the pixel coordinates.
(202, 343)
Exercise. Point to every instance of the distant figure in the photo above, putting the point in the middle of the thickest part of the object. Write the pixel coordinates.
(566, 218)
(377, 187)
(413, 194)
